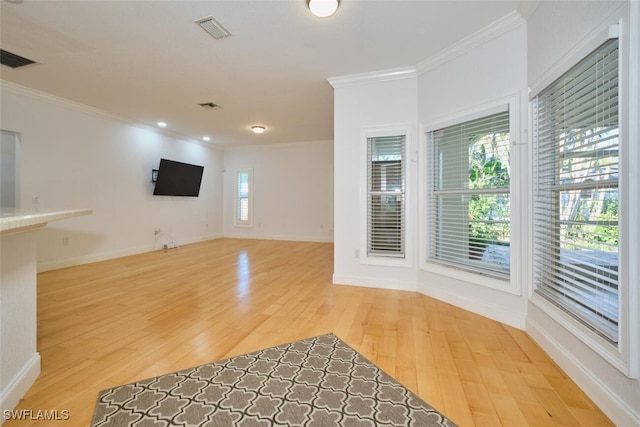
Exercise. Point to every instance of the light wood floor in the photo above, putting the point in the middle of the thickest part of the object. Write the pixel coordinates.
(114, 322)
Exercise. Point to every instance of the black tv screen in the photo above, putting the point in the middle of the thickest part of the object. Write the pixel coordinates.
(178, 179)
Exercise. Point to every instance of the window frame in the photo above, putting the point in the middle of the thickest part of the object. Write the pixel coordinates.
(623, 355)
(512, 284)
(363, 253)
(237, 221)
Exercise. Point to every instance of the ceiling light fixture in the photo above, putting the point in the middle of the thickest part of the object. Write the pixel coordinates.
(323, 8)
(162, 124)
(258, 129)
(206, 138)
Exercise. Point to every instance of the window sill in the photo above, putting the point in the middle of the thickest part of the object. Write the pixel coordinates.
(386, 261)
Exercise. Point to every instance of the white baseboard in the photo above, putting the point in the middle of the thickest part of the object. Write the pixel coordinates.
(493, 311)
(18, 387)
(199, 239)
(607, 400)
(370, 282)
(87, 259)
(103, 256)
(290, 238)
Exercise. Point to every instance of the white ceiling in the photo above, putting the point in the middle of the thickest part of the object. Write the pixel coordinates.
(146, 60)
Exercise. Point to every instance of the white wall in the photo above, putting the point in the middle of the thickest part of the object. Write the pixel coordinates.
(388, 103)
(557, 30)
(292, 191)
(489, 74)
(492, 71)
(74, 157)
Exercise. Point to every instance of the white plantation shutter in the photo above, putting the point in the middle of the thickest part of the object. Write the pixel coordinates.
(243, 208)
(468, 195)
(576, 199)
(386, 196)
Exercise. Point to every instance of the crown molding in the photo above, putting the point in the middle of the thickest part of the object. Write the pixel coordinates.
(480, 37)
(275, 145)
(77, 106)
(491, 31)
(373, 77)
(34, 93)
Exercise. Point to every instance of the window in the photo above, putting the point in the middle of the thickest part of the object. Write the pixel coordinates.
(386, 196)
(576, 199)
(468, 186)
(9, 163)
(243, 205)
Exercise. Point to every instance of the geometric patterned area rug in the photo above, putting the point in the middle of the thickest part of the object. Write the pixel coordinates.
(318, 381)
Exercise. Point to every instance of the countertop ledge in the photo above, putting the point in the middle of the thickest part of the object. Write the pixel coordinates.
(14, 221)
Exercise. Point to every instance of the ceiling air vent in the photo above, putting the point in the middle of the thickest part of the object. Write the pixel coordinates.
(213, 27)
(210, 106)
(12, 60)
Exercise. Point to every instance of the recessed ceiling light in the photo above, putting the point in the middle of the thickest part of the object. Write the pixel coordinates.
(323, 8)
(258, 129)
(206, 138)
(162, 124)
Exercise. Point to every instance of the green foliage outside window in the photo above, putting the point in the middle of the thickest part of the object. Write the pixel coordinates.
(489, 214)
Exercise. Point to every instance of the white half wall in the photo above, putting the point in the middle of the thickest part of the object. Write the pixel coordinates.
(19, 357)
(292, 191)
(75, 157)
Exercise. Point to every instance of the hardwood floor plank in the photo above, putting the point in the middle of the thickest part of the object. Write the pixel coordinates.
(122, 320)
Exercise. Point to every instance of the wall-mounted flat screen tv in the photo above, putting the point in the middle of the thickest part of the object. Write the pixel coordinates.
(178, 179)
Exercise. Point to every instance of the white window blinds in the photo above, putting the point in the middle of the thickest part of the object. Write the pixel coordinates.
(468, 195)
(386, 196)
(576, 200)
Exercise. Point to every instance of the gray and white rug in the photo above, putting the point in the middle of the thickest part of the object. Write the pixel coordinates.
(318, 381)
